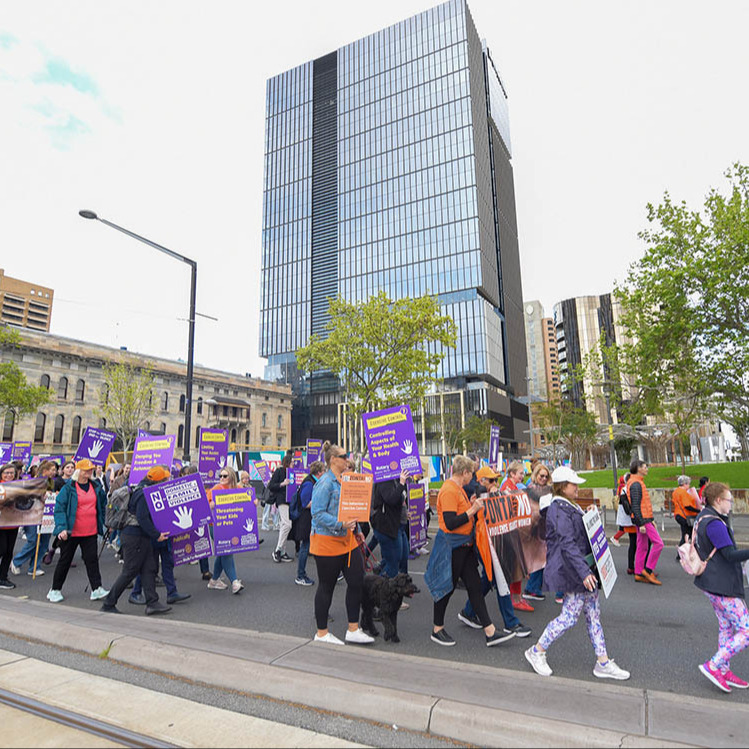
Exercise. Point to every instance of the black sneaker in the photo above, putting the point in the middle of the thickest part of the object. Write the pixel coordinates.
(519, 630)
(442, 638)
(534, 596)
(7, 585)
(472, 621)
(498, 637)
(276, 556)
(109, 608)
(285, 557)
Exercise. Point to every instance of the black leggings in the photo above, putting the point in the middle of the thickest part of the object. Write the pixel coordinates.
(631, 551)
(90, 559)
(465, 566)
(328, 569)
(8, 538)
(686, 528)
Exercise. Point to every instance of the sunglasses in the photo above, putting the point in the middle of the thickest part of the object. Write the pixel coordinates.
(224, 476)
(491, 481)
(342, 455)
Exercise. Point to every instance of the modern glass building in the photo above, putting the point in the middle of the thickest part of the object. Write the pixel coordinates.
(388, 166)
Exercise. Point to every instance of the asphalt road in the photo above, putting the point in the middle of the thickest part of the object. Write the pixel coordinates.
(660, 634)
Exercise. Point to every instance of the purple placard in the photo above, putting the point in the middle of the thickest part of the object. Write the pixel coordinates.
(95, 445)
(392, 444)
(22, 451)
(176, 468)
(297, 463)
(192, 545)
(48, 518)
(6, 450)
(417, 516)
(263, 471)
(144, 433)
(314, 451)
(150, 451)
(214, 448)
(235, 521)
(296, 477)
(178, 505)
(494, 446)
(598, 543)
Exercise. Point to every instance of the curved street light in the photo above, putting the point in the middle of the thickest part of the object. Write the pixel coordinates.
(191, 333)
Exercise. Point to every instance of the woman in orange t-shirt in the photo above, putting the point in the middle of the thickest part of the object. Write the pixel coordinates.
(454, 553)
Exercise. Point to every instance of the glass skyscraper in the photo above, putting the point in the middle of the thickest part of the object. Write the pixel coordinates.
(388, 166)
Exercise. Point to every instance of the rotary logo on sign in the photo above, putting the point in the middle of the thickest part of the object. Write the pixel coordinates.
(188, 548)
(394, 465)
(235, 541)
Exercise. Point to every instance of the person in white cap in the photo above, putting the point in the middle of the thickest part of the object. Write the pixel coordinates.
(567, 570)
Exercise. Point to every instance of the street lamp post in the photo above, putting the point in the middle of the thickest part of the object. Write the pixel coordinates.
(612, 449)
(191, 322)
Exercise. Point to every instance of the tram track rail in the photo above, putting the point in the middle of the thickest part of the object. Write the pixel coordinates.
(102, 729)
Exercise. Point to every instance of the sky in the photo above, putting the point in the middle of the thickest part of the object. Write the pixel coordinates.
(152, 115)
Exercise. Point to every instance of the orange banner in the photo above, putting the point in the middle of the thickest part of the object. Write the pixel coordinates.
(506, 512)
(356, 497)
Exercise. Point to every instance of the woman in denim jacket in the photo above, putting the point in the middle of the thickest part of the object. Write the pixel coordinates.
(336, 550)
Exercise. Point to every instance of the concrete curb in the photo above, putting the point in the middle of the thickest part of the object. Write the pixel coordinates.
(477, 713)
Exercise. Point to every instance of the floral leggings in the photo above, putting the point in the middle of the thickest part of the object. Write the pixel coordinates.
(733, 629)
(574, 603)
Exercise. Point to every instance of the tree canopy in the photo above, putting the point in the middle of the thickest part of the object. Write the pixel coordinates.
(383, 351)
(686, 304)
(17, 396)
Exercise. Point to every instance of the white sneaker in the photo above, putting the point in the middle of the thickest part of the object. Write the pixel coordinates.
(236, 586)
(329, 638)
(538, 661)
(610, 671)
(55, 596)
(39, 573)
(359, 637)
(217, 584)
(15, 570)
(422, 550)
(99, 593)
(615, 541)
(404, 606)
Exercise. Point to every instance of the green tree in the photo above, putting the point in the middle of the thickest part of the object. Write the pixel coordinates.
(686, 305)
(384, 352)
(475, 434)
(567, 428)
(126, 400)
(17, 397)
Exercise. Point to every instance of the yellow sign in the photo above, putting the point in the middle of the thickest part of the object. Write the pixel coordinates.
(381, 421)
(213, 436)
(153, 445)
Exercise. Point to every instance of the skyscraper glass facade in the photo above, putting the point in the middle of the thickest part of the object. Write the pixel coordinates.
(388, 168)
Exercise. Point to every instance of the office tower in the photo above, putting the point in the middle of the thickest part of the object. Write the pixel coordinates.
(541, 350)
(24, 304)
(388, 167)
(581, 323)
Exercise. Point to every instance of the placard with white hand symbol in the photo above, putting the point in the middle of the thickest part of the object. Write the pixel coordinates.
(392, 444)
(235, 520)
(96, 444)
(179, 505)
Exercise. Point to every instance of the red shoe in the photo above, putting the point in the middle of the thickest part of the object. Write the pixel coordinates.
(630, 572)
(715, 676)
(735, 681)
(522, 606)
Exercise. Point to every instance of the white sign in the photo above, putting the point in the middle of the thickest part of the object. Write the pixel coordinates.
(601, 552)
(48, 519)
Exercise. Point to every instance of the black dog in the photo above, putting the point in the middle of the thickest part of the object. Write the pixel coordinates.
(387, 595)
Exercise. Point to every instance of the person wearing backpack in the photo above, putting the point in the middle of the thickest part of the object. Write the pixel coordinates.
(646, 558)
(138, 552)
(723, 584)
(301, 519)
(624, 521)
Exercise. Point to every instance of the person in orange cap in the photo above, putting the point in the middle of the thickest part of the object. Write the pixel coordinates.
(137, 549)
(79, 519)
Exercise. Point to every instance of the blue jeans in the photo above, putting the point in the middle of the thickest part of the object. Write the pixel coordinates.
(163, 552)
(391, 553)
(504, 603)
(405, 542)
(535, 581)
(203, 562)
(301, 564)
(29, 548)
(225, 563)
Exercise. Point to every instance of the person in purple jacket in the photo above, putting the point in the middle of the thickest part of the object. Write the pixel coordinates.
(567, 570)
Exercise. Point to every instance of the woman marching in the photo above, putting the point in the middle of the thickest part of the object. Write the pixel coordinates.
(567, 570)
(722, 583)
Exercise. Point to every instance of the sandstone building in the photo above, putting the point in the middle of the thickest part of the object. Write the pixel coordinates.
(255, 412)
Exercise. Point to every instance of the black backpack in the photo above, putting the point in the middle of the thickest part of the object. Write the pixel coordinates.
(624, 501)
